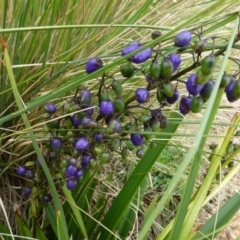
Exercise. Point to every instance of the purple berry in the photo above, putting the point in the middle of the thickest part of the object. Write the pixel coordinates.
(79, 174)
(156, 113)
(70, 171)
(229, 92)
(85, 161)
(98, 137)
(131, 48)
(137, 139)
(192, 87)
(85, 121)
(106, 107)
(175, 60)
(174, 98)
(142, 95)
(50, 108)
(183, 38)
(56, 143)
(75, 120)
(47, 198)
(142, 56)
(185, 105)
(82, 144)
(93, 64)
(71, 183)
(27, 191)
(21, 170)
(84, 97)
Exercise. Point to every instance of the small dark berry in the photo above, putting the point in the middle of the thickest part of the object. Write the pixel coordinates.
(185, 104)
(142, 95)
(71, 184)
(86, 161)
(56, 143)
(93, 64)
(79, 174)
(192, 87)
(137, 139)
(98, 137)
(175, 59)
(50, 108)
(27, 191)
(106, 107)
(21, 170)
(131, 48)
(70, 171)
(82, 144)
(182, 39)
(84, 97)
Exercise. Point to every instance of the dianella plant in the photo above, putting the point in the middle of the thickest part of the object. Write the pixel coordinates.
(109, 114)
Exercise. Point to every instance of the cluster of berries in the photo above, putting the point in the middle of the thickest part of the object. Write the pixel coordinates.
(92, 128)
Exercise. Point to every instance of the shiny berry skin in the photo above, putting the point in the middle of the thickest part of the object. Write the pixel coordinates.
(98, 137)
(79, 174)
(137, 139)
(142, 95)
(93, 64)
(175, 59)
(84, 97)
(56, 143)
(131, 48)
(106, 107)
(82, 144)
(21, 170)
(27, 191)
(185, 105)
(50, 108)
(71, 184)
(142, 56)
(85, 161)
(70, 171)
(182, 39)
(174, 98)
(192, 87)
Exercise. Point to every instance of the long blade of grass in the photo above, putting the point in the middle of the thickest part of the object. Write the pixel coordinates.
(75, 211)
(220, 219)
(19, 102)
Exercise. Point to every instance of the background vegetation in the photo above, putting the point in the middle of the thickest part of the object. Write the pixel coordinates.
(157, 197)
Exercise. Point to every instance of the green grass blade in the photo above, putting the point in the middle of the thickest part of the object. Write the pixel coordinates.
(20, 105)
(75, 211)
(62, 234)
(219, 219)
(23, 228)
(51, 216)
(150, 211)
(125, 196)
